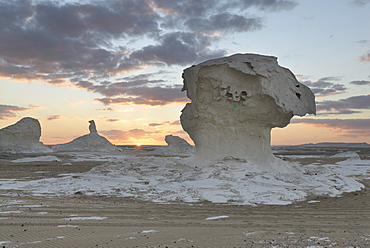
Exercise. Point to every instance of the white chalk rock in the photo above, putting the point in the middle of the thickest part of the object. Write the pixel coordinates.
(236, 101)
(22, 137)
(176, 146)
(91, 142)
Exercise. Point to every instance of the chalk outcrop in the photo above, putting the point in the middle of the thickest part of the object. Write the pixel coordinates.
(236, 101)
(176, 147)
(22, 137)
(91, 142)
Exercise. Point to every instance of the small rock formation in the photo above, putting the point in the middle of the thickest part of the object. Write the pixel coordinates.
(92, 127)
(176, 146)
(91, 142)
(22, 137)
(236, 101)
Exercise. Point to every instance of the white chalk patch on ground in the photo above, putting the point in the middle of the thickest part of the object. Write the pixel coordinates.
(37, 159)
(217, 217)
(5, 242)
(313, 201)
(42, 213)
(170, 179)
(253, 233)
(32, 206)
(33, 242)
(85, 218)
(148, 231)
(11, 212)
(66, 226)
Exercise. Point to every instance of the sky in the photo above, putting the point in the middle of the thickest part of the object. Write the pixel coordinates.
(119, 62)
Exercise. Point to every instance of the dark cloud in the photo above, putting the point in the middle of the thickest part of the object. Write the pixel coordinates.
(140, 91)
(325, 86)
(177, 122)
(95, 41)
(351, 105)
(178, 48)
(154, 96)
(9, 111)
(360, 2)
(225, 22)
(347, 104)
(360, 82)
(112, 120)
(266, 5)
(53, 117)
(365, 57)
(351, 127)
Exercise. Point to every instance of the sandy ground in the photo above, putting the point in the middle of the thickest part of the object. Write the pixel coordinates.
(88, 221)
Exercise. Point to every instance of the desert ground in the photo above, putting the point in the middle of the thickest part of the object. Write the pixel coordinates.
(28, 220)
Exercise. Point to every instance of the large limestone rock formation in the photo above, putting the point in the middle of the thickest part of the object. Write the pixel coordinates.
(22, 137)
(91, 142)
(236, 101)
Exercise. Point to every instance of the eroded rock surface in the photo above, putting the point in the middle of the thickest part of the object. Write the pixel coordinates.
(22, 137)
(236, 101)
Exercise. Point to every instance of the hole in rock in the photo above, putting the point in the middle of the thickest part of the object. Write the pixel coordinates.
(298, 95)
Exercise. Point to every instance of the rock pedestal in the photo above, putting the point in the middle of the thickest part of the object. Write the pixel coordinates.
(236, 101)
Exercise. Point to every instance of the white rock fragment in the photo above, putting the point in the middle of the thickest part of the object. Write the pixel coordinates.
(22, 137)
(236, 101)
(91, 142)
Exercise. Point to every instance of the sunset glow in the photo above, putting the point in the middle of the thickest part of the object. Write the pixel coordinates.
(120, 63)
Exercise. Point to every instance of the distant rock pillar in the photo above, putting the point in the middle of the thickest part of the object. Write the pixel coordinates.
(92, 127)
(236, 101)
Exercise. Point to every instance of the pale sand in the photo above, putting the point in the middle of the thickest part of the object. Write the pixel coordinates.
(39, 221)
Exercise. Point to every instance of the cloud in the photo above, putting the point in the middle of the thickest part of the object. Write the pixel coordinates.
(345, 106)
(112, 120)
(360, 82)
(177, 122)
(325, 86)
(140, 91)
(267, 5)
(53, 117)
(77, 43)
(178, 48)
(350, 127)
(225, 22)
(360, 2)
(365, 58)
(8, 111)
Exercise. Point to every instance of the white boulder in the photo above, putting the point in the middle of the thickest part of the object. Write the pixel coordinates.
(236, 101)
(22, 137)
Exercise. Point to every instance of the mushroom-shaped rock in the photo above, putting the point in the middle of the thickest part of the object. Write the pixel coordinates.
(91, 142)
(22, 137)
(236, 101)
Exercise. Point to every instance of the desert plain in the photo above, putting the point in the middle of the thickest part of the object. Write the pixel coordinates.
(80, 220)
